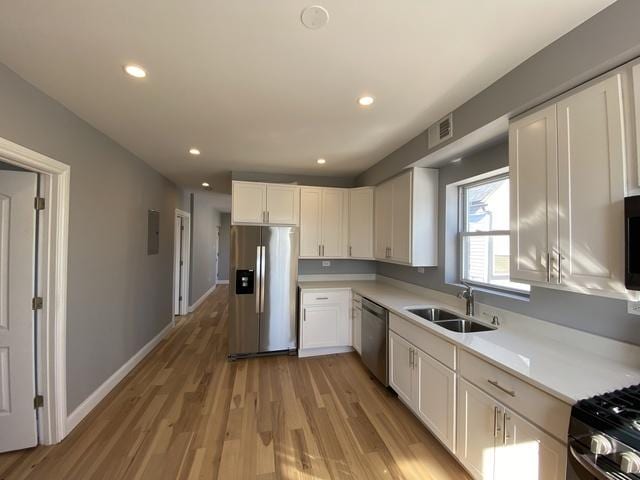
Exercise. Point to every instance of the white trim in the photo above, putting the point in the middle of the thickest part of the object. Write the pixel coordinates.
(314, 352)
(186, 255)
(103, 390)
(202, 298)
(223, 282)
(337, 277)
(52, 381)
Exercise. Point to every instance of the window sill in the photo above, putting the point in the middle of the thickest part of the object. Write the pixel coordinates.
(512, 294)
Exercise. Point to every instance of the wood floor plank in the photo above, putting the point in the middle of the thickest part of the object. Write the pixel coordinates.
(186, 413)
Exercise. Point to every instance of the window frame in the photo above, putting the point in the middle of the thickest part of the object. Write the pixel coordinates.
(463, 233)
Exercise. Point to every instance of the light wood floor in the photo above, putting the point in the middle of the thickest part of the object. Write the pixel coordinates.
(187, 413)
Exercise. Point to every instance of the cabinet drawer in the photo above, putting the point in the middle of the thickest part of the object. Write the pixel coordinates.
(322, 298)
(546, 411)
(433, 345)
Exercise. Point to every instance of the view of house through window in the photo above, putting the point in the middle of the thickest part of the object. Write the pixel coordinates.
(485, 234)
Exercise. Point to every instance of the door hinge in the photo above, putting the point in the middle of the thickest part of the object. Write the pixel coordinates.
(36, 303)
(38, 401)
(38, 203)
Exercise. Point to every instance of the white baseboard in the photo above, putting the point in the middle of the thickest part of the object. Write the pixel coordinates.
(223, 282)
(314, 352)
(202, 298)
(94, 399)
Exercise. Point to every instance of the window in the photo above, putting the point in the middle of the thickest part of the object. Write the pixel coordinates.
(484, 234)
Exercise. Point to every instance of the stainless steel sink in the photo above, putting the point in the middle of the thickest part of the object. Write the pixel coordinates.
(449, 320)
(433, 314)
(463, 325)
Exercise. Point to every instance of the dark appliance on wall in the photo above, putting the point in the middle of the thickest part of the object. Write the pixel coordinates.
(632, 242)
(604, 437)
(262, 297)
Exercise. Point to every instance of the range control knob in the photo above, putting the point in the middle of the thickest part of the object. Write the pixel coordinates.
(630, 462)
(601, 445)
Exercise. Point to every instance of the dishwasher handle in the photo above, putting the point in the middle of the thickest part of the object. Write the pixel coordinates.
(374, 308)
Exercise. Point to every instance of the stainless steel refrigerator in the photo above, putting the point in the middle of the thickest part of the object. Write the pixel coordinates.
(263, 290)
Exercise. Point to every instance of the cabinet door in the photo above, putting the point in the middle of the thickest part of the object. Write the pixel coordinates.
(310, 221)
(634, 182)
(401, 214)
(533, 179)
(356, 317)
(382, 221)
(283, 204)
(334, 234)
(436, 397)
(249, 201)
(361, 223)
(345, 328)
(527, 453)
(320, 326)
(401, 376)
(479, 423)
(591, 158)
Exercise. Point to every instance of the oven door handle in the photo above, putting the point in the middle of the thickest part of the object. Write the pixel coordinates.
(589, 465)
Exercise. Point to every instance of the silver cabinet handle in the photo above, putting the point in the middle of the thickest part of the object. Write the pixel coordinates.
(410, 361)
(350, 250)
(323, 250)
(304, 314)
(500, 387)
(322, 298)
(319, 250)
(548, 267)
(505, 436)
(496, 414)
(560, 258)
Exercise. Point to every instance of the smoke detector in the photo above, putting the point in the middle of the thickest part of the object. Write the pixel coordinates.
(314, 17)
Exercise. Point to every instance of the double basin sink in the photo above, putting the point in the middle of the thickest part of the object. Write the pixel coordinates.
(449, 320)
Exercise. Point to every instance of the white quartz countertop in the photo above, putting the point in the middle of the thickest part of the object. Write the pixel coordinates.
(561, 369)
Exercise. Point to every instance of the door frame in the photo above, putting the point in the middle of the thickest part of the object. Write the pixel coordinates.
(51, 336)
(181, 309)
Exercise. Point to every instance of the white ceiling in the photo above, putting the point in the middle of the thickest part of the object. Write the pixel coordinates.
(254, 90)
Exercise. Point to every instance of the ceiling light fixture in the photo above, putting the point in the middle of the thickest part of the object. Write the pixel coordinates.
(194, 151)
(135, 71)
(365, 101)
(321, 161)
(205, 185)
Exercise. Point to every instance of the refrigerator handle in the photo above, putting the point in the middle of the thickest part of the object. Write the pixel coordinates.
(263, 252)
(258, 277)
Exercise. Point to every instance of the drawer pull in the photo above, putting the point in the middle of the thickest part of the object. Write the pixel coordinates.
(322, 298)
(500, 387)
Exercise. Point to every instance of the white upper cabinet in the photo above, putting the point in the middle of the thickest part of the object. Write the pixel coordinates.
(361, 223)
(634, 110)
(406, 218)
(323, 222)
(567, 187)
(265, 203)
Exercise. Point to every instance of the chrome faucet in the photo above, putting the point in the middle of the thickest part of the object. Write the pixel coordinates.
(468, 295)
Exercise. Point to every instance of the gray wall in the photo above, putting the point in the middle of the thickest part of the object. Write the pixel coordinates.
(118, 297)
(311, 180)
(205, 220)
(223, 255)
(314, 267)
(606, 40)
(598, 315)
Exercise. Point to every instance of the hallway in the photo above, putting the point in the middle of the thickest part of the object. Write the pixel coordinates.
(187, 413)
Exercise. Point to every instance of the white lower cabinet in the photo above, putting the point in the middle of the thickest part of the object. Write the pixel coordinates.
(495, 443)
(356, 320)
(320, 326)
(425, 385)
(325, 323)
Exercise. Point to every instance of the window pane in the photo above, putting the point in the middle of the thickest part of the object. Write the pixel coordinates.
(487, 206)
(486, 260)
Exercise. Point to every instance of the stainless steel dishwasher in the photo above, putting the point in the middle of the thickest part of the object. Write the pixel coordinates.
(375, 339)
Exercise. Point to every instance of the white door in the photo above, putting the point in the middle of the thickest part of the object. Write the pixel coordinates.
(436, 397)
(320, 326)
(479, 424)
(249, 202)
(283, 204)
(310, 221)
(401, 376)
(401, 218)
(334, 234)
(361, 222)
(17, 266)
(382, 220)
(533, 167)
(591, 158)
(527, 453)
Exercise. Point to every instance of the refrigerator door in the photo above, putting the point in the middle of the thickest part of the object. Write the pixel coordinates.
(244, 290)
(280, 277)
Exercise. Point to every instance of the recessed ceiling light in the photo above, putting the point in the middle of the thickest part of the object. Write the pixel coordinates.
(321, 161)
(365, 101)
(194, 151)
(135, 71)
(205, 185)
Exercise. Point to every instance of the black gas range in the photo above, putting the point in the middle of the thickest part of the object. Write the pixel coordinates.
(604, 437)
